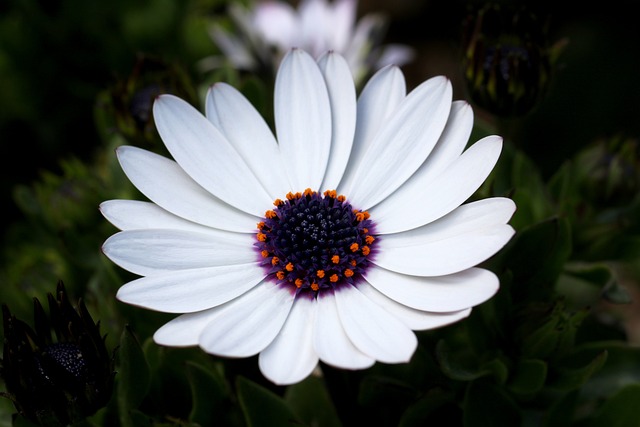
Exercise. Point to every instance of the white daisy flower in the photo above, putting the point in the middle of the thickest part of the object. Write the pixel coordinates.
(268, 29)
(330, 241)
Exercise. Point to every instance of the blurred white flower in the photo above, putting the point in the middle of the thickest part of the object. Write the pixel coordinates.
(329, 241)
(267, 30)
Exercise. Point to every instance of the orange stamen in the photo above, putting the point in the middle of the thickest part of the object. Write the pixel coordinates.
(341, 198)
(320, 273)
(369, 239)
(315, 286)
(270, 214)
(333, 278)
(289, 267)
(278, 202)
(261, 237)
(264, 253)
(260, 225)
(366, 250)
(280, 275)
(275, 260)
(335, 259)
(298, 282)
(354, 247)
(348, 272)
(353, 262)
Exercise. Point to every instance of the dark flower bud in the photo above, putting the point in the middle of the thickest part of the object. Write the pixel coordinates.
(60, 378)
(508, 62)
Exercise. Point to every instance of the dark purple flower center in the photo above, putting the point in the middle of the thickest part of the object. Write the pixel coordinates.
(315, 242)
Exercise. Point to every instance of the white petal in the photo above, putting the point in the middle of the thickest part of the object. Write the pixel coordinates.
(396, 54)
(465, 237)
(206, 155)
(343, 17)
(166, 184)
(254, 141)
(185, 330)
(447, 150)
(275, 21)
(402, 144)
(441, 294)
(440, 195)
(378, 100)
(136, 214)
(417, 320)
(372, 329)
(155, 251)
(290, 358)
(191, 290)
(303, 119)
(331, 341)
(246, 325)
(342, 96)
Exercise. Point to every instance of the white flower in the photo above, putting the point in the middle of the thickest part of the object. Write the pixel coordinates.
(270, 28)
(256, 263)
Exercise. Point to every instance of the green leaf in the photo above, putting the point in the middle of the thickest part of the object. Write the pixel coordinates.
(418, 413)
(486, 404)
(536, 256)
(620, 410)
(567, 379)
(310, 400)
(209, 395)
(133, 376)
(562, 412)
(263, 408)
(468, 371)
(528, 378)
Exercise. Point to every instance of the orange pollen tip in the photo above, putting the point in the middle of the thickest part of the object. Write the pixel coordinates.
(320, 273)
(330, 193)
(280, 275)
(270, 214)
(275, 260)
(260, 225)
(335, 259)
(264, 253)
(341, 198)
(298, 283)
(348, 272)
(361, 216)
(278, 202)
(365, 250)
(308, 192)
(262, 237)
(333, 278)
(314, 286)
(369, 239)
(353, 262)
(354, 247)
(289, 267)
(365, 230)
(290, 196)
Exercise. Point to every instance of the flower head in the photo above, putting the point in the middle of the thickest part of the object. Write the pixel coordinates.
(268, 29)
(330, 241)
(61, 380)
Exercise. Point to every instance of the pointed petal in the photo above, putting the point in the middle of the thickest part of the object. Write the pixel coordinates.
(136, 214)
(331, 341)
(465, 237)
(276, 22)
(290, 358)
(378, 100)
(372, 329)
(447, 150)
(441, 294)
(167, 185)
(246, 325)
(185, 330)
(206, 155)
(417, 320)
(303, 119)
(342, 96)
(254, 141)
(191, 290)
(156, 251)
(442, 194)
(343, 17)
(402, 144)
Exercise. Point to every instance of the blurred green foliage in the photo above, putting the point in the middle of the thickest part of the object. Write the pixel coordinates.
(555, 347)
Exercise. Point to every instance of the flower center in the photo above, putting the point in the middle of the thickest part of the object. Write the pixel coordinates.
(315, 241)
